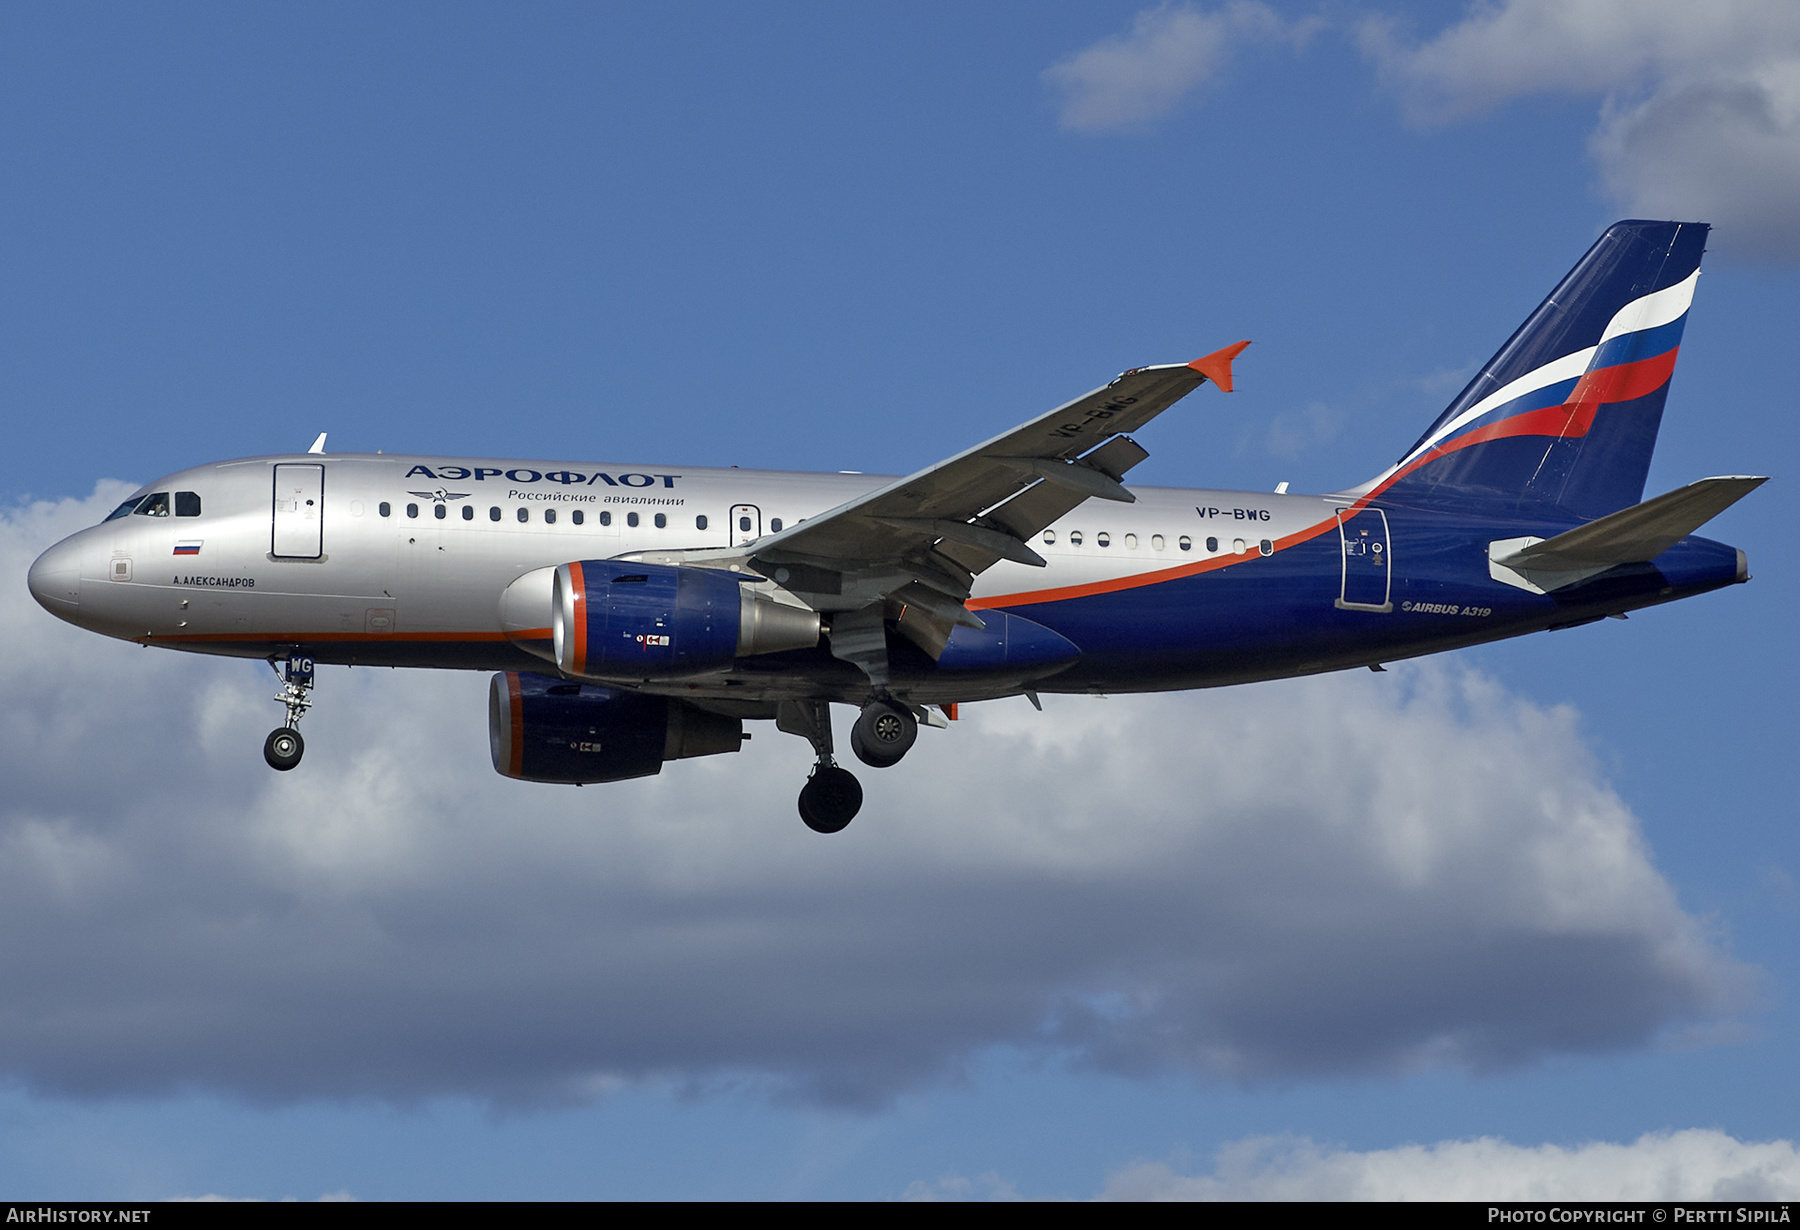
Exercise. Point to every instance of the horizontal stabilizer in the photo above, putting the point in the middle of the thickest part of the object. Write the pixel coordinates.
(1634, 535)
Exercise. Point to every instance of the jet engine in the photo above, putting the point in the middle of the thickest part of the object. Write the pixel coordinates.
(620, 619)
(542, 729)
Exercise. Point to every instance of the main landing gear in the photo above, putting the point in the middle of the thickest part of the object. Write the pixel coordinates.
(284, 746)
(883, 733)
(832, 796)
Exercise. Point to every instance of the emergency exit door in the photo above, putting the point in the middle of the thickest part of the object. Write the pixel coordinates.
(746, 524)
(299, 515)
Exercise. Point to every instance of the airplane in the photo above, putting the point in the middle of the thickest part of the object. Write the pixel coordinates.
(637, 614)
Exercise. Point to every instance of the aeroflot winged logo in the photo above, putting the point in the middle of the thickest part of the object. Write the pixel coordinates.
(440, 495)
(524, 474)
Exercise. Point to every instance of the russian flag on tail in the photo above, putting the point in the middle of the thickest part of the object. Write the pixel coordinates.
(1565, 416)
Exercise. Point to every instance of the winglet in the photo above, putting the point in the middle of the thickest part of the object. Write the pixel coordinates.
(1216, 366)
(319, 444)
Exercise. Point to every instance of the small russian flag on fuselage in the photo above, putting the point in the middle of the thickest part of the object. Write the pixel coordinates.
(189, 546)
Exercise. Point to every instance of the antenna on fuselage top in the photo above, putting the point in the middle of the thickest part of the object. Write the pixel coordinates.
(318, 445)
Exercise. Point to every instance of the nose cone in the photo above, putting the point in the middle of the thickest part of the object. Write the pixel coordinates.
(55, 580)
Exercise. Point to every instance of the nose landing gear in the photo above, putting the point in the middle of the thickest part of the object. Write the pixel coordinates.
(284, 746)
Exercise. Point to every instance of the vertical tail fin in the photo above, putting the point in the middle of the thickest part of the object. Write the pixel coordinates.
(1565, 415)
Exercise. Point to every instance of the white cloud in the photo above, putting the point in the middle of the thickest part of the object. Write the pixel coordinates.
(1294, 432)
(1352, 874)
(1125, 79)
(1700, 116)
(1690, 1165)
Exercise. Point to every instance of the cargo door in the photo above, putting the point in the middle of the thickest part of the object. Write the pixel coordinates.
(299, 515)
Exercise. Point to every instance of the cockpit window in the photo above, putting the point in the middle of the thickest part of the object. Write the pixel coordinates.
(154, 505)
(187, 504)
(123, 510)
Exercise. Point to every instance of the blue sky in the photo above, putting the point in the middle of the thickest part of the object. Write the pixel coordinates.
(827, 237)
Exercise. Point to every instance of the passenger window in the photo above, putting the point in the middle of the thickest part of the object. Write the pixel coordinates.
(524, 515)
(1238, 547)
(631, 519)
(468, 512)
(439, 511)
(1049, 538)
(549, 516)
(187, 504)
(123, 510)
(700, 522)
(385, 509)
(1266, 547)
(1185, 543)
(1074, 538)
(1103, 539)
(662, 521)
(744, 524)
(605, 517)
(1156, 542)
(412, 510)
(493, 513)
(154, 505)
(578, 516)
(1212, 545)
(775, 525)
(1131, 542)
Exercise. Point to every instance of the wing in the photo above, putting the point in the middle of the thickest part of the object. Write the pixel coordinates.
(920, 541)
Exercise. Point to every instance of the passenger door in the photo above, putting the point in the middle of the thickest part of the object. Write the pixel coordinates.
(299, 512)
(1368, 561)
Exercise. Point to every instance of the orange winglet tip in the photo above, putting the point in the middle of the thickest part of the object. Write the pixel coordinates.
(1216, 366)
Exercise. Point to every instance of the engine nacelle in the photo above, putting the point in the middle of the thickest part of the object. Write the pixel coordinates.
(542, 729)
(617, 619)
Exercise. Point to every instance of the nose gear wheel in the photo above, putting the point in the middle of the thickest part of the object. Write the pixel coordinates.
(283, 748)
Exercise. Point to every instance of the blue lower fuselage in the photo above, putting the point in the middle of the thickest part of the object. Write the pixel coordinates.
(1284, 614)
